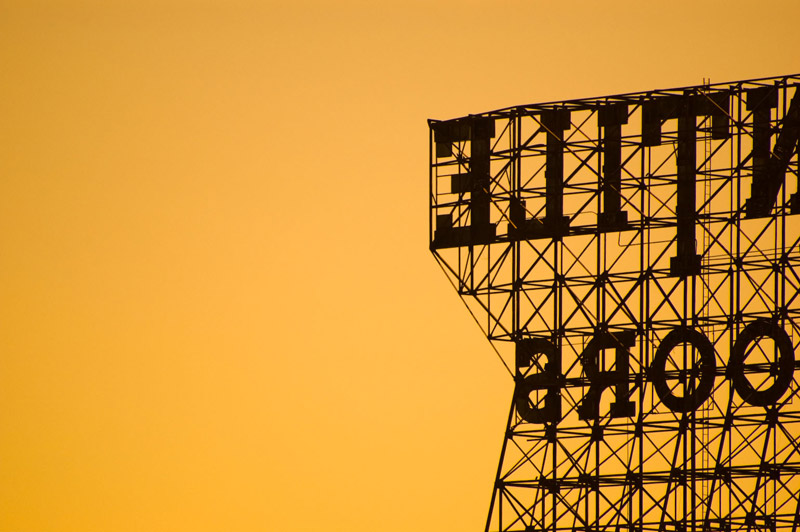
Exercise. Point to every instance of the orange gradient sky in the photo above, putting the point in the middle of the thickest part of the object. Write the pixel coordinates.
(218, 311)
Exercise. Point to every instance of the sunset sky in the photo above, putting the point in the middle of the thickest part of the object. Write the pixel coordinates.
(218, 308)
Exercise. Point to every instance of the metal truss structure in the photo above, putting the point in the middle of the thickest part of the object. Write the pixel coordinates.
(635, 262)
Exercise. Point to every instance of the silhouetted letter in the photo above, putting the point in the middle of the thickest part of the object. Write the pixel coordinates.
(600, 380)
(549, 379)
(695, 396)
(784, 369)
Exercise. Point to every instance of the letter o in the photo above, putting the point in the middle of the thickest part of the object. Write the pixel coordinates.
(707, 369)
(750, 395)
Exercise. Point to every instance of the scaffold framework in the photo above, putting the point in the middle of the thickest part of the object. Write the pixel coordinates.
(634, 260)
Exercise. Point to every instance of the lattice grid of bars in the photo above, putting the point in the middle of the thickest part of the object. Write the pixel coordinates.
(631, 216)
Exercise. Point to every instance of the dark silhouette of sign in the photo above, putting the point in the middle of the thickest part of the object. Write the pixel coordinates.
(635, 261)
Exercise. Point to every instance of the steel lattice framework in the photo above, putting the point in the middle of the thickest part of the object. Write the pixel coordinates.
(634, 261)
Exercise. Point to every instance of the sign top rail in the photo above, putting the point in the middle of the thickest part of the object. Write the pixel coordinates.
(593, 102)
